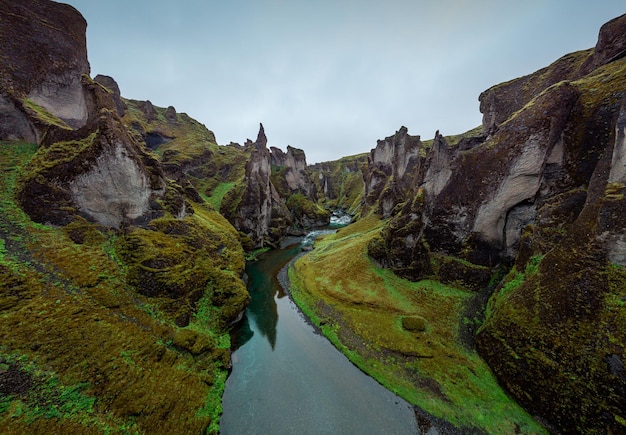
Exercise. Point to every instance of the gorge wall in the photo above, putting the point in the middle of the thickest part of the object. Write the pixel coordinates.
(110, 266)
(114, 213)
(539, 189)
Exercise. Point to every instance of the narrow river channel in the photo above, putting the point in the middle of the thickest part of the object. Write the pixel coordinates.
(288, 379)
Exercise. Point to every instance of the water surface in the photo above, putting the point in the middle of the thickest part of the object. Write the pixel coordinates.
(287, 379)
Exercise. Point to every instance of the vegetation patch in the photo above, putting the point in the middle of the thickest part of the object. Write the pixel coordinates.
(405, 334)
(81, 350)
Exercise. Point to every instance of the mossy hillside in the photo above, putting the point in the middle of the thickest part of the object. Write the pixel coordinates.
(117, 363)
(558, 332)
(177, 262)
(362, 308)
(577, 358)
(343, 179)
(189, 147)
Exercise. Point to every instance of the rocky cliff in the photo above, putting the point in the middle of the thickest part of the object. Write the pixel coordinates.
(106, 247)
(293, 181)
(294, 169)
(538, 194)
(254, 206)
(339, 184)
(40, 78)
(92, 167)
(112, 245)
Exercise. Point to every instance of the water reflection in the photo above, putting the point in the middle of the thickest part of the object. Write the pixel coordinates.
(264, 288)
(299, 383)
(243, 334)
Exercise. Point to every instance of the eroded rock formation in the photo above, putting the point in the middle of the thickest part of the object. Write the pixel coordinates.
(392, 167)
(256, 209)
(541, 190)
(44, 56)
(142, 280)
(293, 165)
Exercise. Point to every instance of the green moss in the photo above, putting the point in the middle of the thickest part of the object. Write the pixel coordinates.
(614, 191)
(68, 306)
(218, 194)
(231, 200)
(340, 183)
(301, 206)
(414, 323)
(512, 282)
(362, 308)
(44, 115)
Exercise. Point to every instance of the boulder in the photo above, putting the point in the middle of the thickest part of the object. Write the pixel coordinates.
(110, 83)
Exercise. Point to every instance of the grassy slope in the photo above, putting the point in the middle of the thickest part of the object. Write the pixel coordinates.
(346, 186)
(211, 168)
(360, 307)
(80, 349)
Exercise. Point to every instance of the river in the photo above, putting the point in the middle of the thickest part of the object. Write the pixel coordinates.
(288, 379)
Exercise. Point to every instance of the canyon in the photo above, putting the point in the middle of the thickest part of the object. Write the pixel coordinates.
(497, 255)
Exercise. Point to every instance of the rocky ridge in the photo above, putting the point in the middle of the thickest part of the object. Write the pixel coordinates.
(540, 190)
(121, 269)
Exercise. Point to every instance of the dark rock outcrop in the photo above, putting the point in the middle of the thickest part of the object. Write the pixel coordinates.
(110, 83)
(43, 59)
(170, 114)
(292, 180)
(121, 255)
(540, 193)
(92, 167)
(392, 168)
(293, 165)
(255, 208)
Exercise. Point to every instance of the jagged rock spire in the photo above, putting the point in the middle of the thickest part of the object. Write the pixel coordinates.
(261, 139)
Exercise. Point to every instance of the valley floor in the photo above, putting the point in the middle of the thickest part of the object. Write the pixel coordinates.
(404, 334)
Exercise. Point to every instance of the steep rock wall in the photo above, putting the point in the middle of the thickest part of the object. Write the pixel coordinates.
(540, 194)
(294, 173)
(44, 55)
(392, 170)
(339, 184)
(255, 208)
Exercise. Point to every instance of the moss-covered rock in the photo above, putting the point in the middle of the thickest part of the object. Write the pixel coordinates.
(414, 323)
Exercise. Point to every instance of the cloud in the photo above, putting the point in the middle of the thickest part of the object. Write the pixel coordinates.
(330, 77)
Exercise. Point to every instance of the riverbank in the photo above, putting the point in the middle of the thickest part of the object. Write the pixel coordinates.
(403, 334)
(281, 363)
(426, 423)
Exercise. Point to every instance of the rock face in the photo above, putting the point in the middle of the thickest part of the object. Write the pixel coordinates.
(275, 197)
(292, 180)
(129, 257)
(44, 55)
(392, 166)
(259, 212)
(110, 83)
(294, 168)
(339, 184)
(541, 190)
(93, 167)
(98, 172)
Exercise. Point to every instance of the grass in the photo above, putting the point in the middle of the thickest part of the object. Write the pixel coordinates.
(218, 194)
(44, 115)
(360, 308)
(99, 356)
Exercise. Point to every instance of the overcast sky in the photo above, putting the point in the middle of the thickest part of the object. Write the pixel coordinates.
(331, 76)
